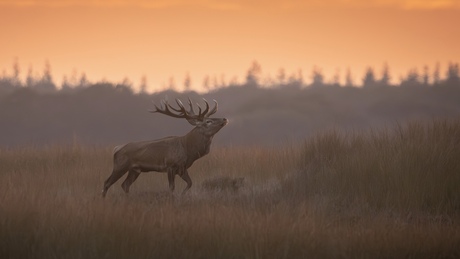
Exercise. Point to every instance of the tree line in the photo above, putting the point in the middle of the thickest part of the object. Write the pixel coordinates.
(44, 82)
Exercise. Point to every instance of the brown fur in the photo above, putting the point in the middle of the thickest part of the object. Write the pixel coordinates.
(172, 155)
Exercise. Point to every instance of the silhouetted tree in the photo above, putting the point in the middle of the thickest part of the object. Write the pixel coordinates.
(349, 78)
(83, 82)
(317, 77)
(187, 82)
(300, 77)
(65, 86)
(125, 87)
(126, 82)
(412, 79)
(30, 81)
(234, 81)
(385, 80)
(16, 71)
(10, 83)
(215, 82)
(369, 78)
(336, 78)
(452, 76)
(436, 74)
(206, 83)
(46, 84)
(426, 76)
(281, 76)
(6, 83)
(73, 78)
(47, 72)
(253, 74)
(295, 80)
(143, 86)
(268, 81)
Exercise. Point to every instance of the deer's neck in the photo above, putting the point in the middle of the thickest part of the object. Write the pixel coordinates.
(197, 144)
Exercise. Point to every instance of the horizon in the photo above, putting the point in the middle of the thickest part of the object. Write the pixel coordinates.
(114, 40)
(428, 76)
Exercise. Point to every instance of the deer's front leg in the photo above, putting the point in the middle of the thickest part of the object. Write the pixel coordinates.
(187, 179)
(171, 176)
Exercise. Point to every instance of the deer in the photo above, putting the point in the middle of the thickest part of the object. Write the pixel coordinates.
(173, 155)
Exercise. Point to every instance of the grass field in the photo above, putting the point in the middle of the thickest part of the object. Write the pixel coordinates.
(391, 193)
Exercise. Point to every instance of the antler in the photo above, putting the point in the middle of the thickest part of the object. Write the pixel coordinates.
(181, 112)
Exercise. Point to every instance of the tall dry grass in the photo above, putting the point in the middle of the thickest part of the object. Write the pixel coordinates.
(408, 168)
(380, 194)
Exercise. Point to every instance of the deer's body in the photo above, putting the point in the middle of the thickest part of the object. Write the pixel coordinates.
(172, 155)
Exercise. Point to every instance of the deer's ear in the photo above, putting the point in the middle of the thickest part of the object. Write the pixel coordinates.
(194, 122)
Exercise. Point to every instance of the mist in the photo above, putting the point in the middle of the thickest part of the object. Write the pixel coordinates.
(260, 113)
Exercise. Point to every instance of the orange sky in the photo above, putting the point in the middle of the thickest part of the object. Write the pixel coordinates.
(162, 39)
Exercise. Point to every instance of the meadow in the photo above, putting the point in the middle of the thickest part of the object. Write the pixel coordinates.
(382, 193)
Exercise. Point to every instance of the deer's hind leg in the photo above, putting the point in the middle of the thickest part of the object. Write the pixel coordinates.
(171, 176)
(117, 173)
(132, 176)
(187, 179)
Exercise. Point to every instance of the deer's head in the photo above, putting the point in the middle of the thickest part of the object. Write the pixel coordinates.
(201, 121)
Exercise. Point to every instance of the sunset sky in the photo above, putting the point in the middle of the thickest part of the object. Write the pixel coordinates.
(115, 39)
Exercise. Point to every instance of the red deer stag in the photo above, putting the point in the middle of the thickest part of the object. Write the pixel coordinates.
(172, 155)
